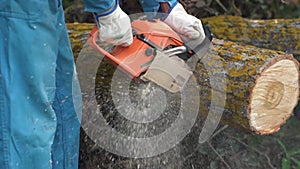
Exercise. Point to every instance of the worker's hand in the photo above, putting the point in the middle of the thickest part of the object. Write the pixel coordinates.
(183, 23)
(115, 27)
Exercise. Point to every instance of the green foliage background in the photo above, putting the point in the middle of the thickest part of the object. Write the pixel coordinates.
(254, 9)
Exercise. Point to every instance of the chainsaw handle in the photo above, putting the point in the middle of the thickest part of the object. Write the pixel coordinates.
(92, 40)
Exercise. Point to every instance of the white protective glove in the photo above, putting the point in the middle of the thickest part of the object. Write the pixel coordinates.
(115, 28)
(185, 24)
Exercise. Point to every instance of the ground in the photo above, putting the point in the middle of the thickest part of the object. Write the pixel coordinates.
(229, 148)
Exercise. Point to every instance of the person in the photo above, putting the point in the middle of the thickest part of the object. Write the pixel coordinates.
(39, 102)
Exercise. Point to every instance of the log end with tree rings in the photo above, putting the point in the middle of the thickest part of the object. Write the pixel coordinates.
(274, 95)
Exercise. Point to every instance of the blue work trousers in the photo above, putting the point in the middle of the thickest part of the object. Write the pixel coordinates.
(39, 127)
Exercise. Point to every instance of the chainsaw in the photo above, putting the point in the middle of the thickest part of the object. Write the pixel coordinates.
(157, 54)
(157, 59)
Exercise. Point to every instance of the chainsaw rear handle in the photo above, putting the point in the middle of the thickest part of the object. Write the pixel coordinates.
(92, 40)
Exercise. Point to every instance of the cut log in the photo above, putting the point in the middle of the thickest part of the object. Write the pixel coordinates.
(276, 34)
(262, 85)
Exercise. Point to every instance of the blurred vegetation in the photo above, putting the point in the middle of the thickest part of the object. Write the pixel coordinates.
(286, 161)
(253, 9)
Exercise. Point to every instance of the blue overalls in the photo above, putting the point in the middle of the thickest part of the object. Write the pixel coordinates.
(39, 125)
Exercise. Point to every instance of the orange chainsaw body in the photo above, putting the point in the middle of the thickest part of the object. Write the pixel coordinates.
(135, 59)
